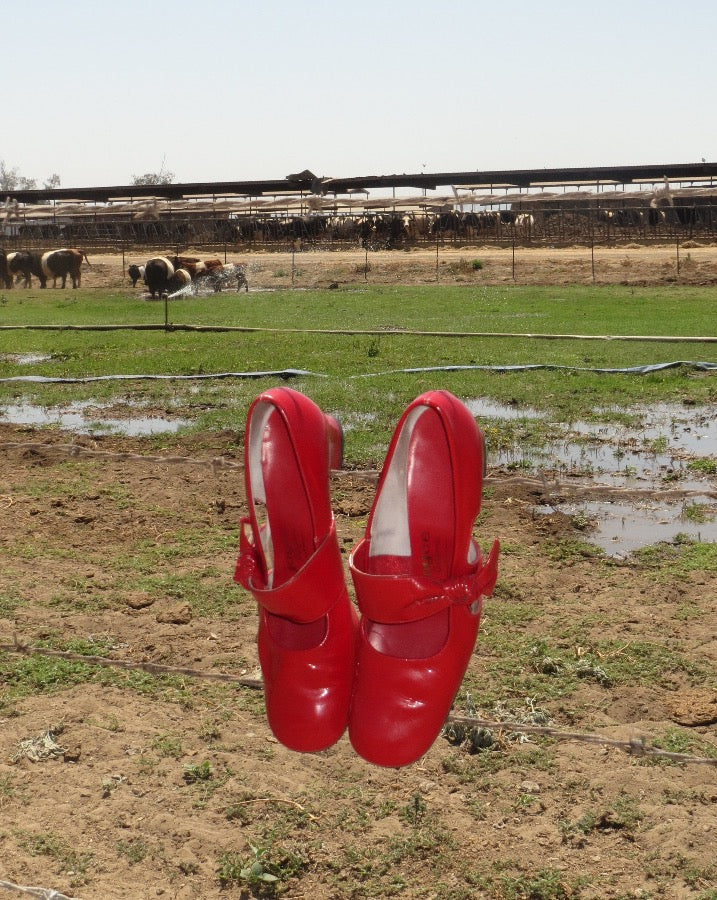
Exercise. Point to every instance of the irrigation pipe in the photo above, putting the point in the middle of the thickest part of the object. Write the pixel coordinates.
(696, 339)
(293, 373)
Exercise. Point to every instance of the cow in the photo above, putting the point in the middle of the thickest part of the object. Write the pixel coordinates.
(22, 265)
(61, 263)
(135, 273)
(52, 264)
(212, 272)
(231, 273)
(157, 272)
(180, 279)
(5, 275)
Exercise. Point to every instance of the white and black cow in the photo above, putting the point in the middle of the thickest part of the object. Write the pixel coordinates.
(135, 273)
(61, 263)
(157, 274)
(52, 264)
(22, 265)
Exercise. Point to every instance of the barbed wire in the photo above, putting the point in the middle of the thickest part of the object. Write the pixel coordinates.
(41, 893)
(546, 487)
(634, 747)
(77, 451)
(153, 668)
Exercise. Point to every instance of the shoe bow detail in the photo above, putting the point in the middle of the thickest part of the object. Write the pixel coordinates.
(307, 595)
(407, 598)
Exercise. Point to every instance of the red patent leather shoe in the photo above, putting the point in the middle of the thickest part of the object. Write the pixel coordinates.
(289, 559)
(419, 580)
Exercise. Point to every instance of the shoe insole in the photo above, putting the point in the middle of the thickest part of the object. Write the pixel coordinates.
(288, 535)
(413, 530)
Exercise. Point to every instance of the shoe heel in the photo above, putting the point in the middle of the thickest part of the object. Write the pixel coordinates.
(335, 435)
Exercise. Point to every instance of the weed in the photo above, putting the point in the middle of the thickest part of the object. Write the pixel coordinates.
(209, 731)
(7, 789)
(134, 851)
(69, 859)
(570, 550)
(146, 765)
(263, 872)
(239, 812)
(9, 602)
(198, 772)
(678, 740)
(112, 723)
(414, 812)
(698, 512)
(168, 745)
(683, 555)
(547, 884)
(657, 445)
(704, 466)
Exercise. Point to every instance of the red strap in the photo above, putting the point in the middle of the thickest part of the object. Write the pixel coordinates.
(407, 598)
(307, 595)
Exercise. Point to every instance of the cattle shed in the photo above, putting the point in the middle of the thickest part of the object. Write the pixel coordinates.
(544, 205)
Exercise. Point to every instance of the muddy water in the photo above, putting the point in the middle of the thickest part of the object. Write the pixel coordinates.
(76, 417)
(653, 452)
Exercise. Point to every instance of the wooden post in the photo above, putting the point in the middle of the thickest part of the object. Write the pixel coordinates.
(513, 254)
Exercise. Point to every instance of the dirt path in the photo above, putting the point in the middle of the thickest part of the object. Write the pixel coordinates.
(631, 264)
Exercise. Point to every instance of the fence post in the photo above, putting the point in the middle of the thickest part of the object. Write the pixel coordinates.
(438, 232)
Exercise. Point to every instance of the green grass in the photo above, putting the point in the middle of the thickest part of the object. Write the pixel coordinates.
(368, 406)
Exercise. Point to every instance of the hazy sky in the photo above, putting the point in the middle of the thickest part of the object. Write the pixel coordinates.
(98, 92)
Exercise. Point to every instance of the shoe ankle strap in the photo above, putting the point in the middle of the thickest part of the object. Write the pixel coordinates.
(307, 595)
(407, 598)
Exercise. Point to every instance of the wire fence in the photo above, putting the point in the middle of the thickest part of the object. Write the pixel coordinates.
(637, 746)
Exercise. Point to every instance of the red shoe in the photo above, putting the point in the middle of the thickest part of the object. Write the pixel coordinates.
(419, 580)
(289, 559)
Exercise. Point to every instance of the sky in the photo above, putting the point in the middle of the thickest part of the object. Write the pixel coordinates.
(227, 90)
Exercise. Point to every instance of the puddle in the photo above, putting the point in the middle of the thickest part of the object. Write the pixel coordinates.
(620, 528)
(482, 408)
(653, 451)
(660, 444)
(73, 418)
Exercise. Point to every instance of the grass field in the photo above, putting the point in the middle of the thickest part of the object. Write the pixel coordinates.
(352, 334)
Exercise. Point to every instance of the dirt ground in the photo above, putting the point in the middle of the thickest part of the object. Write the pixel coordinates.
(173, 786)
(688, 263)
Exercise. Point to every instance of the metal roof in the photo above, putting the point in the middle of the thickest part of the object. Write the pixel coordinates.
(307, 183)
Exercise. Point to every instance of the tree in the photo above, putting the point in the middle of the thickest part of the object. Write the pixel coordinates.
(161, 177)
(11, 180)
